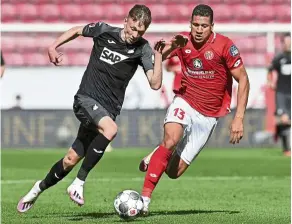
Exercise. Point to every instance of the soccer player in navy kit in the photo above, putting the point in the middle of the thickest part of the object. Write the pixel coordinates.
(114, 59)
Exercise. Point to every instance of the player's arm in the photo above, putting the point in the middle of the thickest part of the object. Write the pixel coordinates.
(240, 75)
(271, 71)
(56, 57)
(152, 64)
(236, 128)
(90, 30)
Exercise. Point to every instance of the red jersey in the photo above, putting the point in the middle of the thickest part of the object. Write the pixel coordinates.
(206, 82)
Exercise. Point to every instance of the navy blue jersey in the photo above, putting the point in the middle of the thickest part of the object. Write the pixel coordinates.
(282, 64)
(112, 64)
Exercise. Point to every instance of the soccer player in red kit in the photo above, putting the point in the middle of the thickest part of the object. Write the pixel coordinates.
(209, 61)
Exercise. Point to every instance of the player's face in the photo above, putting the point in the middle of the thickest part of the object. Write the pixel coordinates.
(287, 44)
(201, 28)
(134, 30)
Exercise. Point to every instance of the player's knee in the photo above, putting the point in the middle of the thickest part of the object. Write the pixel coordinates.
(169, 143)
(69, 162)
(111, 131)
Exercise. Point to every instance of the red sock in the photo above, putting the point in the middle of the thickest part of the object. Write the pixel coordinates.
(156, 168)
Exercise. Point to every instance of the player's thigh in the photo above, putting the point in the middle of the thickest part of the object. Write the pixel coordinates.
(176, 166)
(176, 120)
(196, 137)
(108, 127)
(173, 132)
(93, 115)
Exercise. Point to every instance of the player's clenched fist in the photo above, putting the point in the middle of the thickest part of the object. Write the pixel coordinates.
(55, 57)
(179, 41)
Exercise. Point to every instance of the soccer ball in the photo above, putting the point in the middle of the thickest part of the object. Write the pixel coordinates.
(128, 204)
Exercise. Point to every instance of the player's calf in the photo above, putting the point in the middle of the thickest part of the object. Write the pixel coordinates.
(176, 166)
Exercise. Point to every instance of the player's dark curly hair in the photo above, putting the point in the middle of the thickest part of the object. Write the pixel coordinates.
(203, 10)
(141, 13)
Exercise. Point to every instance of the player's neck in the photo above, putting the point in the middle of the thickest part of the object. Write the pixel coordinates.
(122, 35)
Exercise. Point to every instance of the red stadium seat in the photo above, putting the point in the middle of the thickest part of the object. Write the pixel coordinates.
(8, 12)
(70, 12)
(14, 59)
(222, 14)
(49, 12)
(8, 42)
(261, 44)
(27, 12)
(244, 43)
(114, 12)
(242, 13)
(92, 12)
(160, 12)
(78, 58)
(264, 13)
(283, 13)
(182, 12)
(37, 59)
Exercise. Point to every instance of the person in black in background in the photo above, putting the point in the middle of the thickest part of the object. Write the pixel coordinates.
(2, 65)
(115, 56)
(281, 65)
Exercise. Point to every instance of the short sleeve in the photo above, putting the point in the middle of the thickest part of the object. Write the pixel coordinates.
(94, 29)
(231, 55)
(2, 59)
(274, 64)
(147, 58)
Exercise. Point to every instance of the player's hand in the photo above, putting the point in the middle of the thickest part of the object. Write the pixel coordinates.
(179, 41)
(55, 57)
(236, 130)
(159, 46)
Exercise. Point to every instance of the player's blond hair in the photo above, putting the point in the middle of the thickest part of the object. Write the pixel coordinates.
(141, 13)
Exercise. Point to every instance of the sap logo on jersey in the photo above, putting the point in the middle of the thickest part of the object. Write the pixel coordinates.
(111, 57)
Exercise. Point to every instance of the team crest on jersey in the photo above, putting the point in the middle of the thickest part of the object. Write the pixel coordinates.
(233, 51)
(209, 55)
(111, 57)
(197, 63)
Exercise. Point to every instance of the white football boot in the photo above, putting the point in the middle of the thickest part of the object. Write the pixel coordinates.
(29, 199)
(75, 191)
(145, 210)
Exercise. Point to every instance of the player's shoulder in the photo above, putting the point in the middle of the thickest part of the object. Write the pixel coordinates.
(143, 43)
(221, 39)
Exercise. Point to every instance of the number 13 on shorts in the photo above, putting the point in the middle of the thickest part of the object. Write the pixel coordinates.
(179, 113)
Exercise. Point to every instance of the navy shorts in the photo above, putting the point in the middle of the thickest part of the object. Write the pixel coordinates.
(89, 112)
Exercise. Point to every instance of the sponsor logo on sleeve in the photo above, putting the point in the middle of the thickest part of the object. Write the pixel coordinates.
(234, 51)
(237, 63)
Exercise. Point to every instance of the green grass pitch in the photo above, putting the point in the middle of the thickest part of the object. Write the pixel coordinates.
(222, 186)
